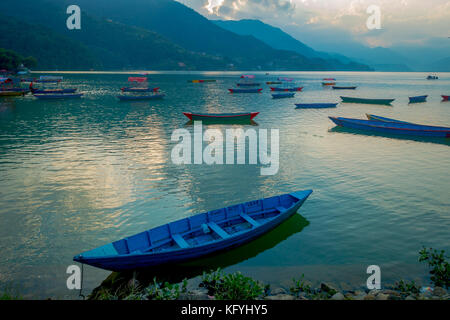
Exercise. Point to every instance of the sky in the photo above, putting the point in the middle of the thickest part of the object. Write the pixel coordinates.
(403, 22)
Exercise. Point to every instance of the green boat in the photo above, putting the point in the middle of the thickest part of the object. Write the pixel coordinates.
(367, 101)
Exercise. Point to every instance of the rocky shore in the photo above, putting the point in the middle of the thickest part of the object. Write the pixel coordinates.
(328, 292)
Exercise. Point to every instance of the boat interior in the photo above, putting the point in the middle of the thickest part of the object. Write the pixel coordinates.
(206, 227)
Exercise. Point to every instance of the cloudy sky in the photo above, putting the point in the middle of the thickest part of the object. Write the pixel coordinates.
(403, 22)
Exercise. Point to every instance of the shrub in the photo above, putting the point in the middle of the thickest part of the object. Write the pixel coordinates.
(233, 286)
(440, 267)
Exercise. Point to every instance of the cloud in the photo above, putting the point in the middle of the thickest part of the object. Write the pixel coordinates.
(402, 21)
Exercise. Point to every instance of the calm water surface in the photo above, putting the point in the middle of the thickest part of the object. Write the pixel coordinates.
(78, 174)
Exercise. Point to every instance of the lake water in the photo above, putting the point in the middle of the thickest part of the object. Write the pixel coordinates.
(78, 174)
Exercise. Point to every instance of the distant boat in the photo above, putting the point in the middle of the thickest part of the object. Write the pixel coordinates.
(393, 127)
(58, 96)
(247, 81)
(274, 82)
(139, 84)
(221, 116)
(202, 81)
(245, 90)
(367, 101)
(137, 89)
(315, 105)
(445, 98)
(283, 95)
(418, 99)
(329, 82)
(430, 77)
(293, 89)
(196, 236)
(10, 93)
(344, 88)
(158, 96)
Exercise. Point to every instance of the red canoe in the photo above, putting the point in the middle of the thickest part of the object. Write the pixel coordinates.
(445, 98)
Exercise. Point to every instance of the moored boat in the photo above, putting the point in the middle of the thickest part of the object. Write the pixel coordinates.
(274, 82)
(329, 82)
(196, 236)
(417, 99)
(293, 89)
(221, 116)
(393, 127)
(367, 101)
(315, 105)
(202, 81)
(249, 90)
(10, 93)
(344, 88)
(445, 98)
(248, 81)
(283, 95)
(431, 77)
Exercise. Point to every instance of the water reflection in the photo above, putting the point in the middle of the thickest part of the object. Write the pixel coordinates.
(188, 270)
(444, 141)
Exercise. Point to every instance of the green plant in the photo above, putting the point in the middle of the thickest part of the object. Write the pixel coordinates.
(165, 291)
(8, 294)
(440, 267)
(234, 286)
(406, 288)
(300, 286)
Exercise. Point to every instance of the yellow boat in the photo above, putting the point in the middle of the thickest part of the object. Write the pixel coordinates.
(11, 93)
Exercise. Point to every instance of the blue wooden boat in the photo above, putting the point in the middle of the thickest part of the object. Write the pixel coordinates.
(250, 84)
(138, 89)
(141, 97)
(343, 88)
(315, 105)
(196, 236)
(49, 91)
(221, 116)
(245, 90)
(283, 95)
(418, 99)
(393, 127)
(58, 96)
(291, 89)
(367, 101)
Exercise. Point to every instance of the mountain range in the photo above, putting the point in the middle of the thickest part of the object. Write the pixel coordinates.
(144, 34)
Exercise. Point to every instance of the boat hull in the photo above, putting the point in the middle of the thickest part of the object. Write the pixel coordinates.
(343, 88)
(130, 89)
(315, 105)
(253, 84)
(367, 101)
(58, 96)
(286, 89)
(445, 98)
(132, 261)
(383, 119)
(50, 91)
(245, 90)
(418, 99)
(283, 95)
(10, 93)
(393, 127)
(221, 116)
